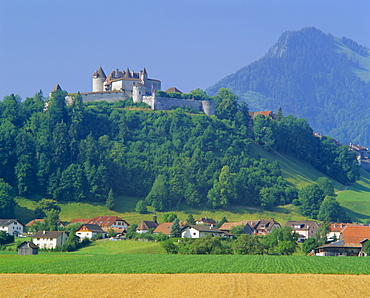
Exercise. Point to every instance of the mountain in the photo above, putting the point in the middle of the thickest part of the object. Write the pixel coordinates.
(311, 75)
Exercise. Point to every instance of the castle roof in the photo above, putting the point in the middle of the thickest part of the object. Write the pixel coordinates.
(173, 89)
(56, 87)
(127, 74)
(144, 71)
(100, 73)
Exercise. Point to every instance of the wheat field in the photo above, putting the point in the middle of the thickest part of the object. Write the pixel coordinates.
(184, 285)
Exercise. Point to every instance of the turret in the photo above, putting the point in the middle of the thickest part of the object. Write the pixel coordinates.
(137, 92)
(98, 80)
(143, 76)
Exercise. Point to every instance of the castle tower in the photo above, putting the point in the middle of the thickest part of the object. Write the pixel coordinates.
(143, 76)
(98, 80)
(137, 92)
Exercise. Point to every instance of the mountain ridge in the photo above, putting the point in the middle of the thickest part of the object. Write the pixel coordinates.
(311, 75)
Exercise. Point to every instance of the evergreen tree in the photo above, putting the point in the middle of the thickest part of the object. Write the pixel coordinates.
(190, 220)
(110, 202)
(175, 229)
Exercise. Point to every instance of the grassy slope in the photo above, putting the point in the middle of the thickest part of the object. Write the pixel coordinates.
(357, 198)
(296, 172)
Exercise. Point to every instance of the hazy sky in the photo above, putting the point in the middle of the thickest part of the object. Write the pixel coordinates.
(186, 44)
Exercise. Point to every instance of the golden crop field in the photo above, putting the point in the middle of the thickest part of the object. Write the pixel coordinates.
(184, 285)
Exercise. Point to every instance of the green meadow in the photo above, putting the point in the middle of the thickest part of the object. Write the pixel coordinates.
(72, 263)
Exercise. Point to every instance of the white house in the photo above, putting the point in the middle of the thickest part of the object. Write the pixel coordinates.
(49, 239)
(198, 231)
(11, 226)
(90, 231)
(305, 229)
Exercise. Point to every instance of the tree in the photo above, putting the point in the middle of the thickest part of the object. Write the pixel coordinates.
(308, 245)
(281, 241)
(237, 230)
(190, 220)
(221, 222)
(326, 185)
(223, 190)
(310, 198)
(331, 211)
(247, 244)
(367, 248)
(169, 246)
(141, 207)
(50, 221)
(158, 196)
(169, 217)
(110, 202)
(45, 205)
(175, 229)
(226, 104)
(6, 200)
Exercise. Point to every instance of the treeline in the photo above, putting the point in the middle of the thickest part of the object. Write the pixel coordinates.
(99, 151)
(293, 135)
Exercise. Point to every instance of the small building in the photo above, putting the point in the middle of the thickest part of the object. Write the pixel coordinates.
(28, 248)
(50, 239)
(90, 231)
(11, 226)
(335, 230)
(146, 225)
(198, 231)
(205, 221)
(227, 226)
(305, 229)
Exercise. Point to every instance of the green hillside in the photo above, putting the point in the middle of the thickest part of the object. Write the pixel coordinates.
(298, 174)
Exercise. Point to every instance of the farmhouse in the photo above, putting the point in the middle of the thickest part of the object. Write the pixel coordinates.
(198, 231)
(28, 248)
(11, 226)
(263, 226)
(49, 239)
(165, 228)
(351, 244)
(109, 222)
(305, 229)
(335, 230)
(90, 231)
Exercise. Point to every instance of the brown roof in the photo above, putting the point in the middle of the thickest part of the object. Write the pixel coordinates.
(29, 244)
(165, 227)
(90, 227)
(338, 227)
(147, 225)
(264, 113)
(227, 226)
(105, 221)
(33, 221)
(56, 87)
(47, 234)
(207, 228)
(353, 235)
(173, 89)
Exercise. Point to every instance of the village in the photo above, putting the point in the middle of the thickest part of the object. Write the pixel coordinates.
(343, 239)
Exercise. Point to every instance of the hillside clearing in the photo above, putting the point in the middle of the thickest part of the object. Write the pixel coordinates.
(184, 285)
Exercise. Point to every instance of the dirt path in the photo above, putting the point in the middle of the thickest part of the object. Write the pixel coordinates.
(184, 285)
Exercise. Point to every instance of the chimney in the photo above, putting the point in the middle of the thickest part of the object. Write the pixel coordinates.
(155, 217)
(44, 232)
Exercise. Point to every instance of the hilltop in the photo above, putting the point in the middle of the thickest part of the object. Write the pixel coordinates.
(311, 75)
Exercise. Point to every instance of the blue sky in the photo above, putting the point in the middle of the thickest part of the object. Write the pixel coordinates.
(186, 44)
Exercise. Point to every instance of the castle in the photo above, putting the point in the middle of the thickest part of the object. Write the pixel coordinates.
(121, 85)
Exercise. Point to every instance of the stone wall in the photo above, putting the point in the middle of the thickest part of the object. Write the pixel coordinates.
(109, 96)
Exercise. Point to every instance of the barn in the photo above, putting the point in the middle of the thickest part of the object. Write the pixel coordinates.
(28, 248)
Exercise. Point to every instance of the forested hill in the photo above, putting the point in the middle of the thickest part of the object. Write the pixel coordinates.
(312, 75)
(96, 152)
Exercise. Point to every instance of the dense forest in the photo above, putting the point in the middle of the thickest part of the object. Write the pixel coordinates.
(311, 75)
(97, 151)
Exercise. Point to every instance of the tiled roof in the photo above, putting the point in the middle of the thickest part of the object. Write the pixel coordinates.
(304, 224)
(165, 227)
(227, 226)
(147, 225)
(355, 234)
(338, 227)
(173, 89)
(33, 221)
(91, 227)
(264, 113)
(47, 234)
(106, 221)
(206, 220)
(7, 222)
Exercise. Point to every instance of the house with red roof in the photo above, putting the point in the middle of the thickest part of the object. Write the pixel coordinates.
(109, 222)
(351, 244)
